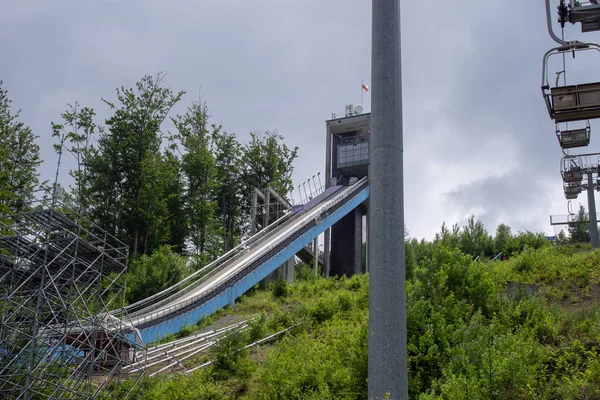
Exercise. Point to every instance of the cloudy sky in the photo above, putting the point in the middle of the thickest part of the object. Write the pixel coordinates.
(477, 137)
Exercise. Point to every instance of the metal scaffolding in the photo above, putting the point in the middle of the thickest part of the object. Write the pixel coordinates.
(62, 289)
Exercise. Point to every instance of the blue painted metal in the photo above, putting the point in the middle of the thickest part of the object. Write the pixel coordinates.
(229, 295)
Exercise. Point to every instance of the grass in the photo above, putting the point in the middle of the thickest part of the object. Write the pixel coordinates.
(326, 355)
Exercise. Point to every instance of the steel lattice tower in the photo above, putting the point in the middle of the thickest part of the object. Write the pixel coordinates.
(62, 289)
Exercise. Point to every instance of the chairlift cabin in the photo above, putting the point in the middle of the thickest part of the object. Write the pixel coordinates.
(585, 12)
(573, 221)
(571, 102)
(572, 190)
(573, 137)
(570, 169)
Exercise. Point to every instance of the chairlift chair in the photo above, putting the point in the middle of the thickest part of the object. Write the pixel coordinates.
(570, 169)
(571, 102)
(572, 190)
(585, 12)
(573, 220)
(573, 137)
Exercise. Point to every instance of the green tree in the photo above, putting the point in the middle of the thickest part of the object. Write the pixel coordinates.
(19, 158)
(199, 170)
(175, 203)
(474, 239)
(228, 152)
(579, 227)
(74, 134)
(124, 168)
(148, 275)
(447, 237)
(502, 240)
(267, 161)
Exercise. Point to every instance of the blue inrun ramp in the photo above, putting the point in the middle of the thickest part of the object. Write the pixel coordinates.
(188, 309)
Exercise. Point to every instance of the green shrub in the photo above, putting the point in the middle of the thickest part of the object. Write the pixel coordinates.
(280, 288)
(230, 356)
(186, 330)
(257, 328)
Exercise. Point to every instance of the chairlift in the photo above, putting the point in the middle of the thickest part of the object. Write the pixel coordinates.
(570, 102)
(573, 220)
(574, 137)
(570, 169)
(586, 13)
(572, 190)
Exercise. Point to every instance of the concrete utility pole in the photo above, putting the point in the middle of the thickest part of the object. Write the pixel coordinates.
(388, 377)
(592, 211)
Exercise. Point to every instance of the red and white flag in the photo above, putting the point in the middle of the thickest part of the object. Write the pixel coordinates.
(365, 87)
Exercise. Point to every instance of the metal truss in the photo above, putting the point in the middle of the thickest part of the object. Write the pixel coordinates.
(60, 275)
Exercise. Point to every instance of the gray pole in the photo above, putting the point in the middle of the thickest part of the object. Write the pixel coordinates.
(388, 377)
(592, 211)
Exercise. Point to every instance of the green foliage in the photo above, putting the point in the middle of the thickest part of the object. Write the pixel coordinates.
(279, 288)
(127, 176)
(268, 161)
(565, 273)
(19, 158)
(257, 328)
(198, 386)
(474, 239)
(230, 356)
(305, 273)
(149, 275)
(579, 232)
(465, 339)
(229, 196)
(198, 167)
(74, 134)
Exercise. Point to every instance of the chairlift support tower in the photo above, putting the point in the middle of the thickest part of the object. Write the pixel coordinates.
(570, 103)
(574, 172)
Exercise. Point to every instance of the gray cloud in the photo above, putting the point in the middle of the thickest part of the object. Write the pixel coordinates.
(473, 110)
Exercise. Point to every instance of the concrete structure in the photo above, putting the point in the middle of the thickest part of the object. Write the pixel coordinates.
(347, 160)
(388, 354)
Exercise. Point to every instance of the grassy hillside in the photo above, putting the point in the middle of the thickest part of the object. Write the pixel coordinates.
(467, 338)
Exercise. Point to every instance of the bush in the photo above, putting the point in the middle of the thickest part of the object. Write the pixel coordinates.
(149, 275)
(230, 356)
(257, 328)
(280, 288)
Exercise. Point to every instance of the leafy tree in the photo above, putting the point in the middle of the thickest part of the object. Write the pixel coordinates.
(474, 239)
(447, 237)
(561, 238)
(74, 135)
(529, 239)
(199, 170)
(158, 175)
(19, 158)
(502, 240)
(579, 230)
(149, 275)
(124, 173)
(267, 161)
(228, 152)
(175, 203)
